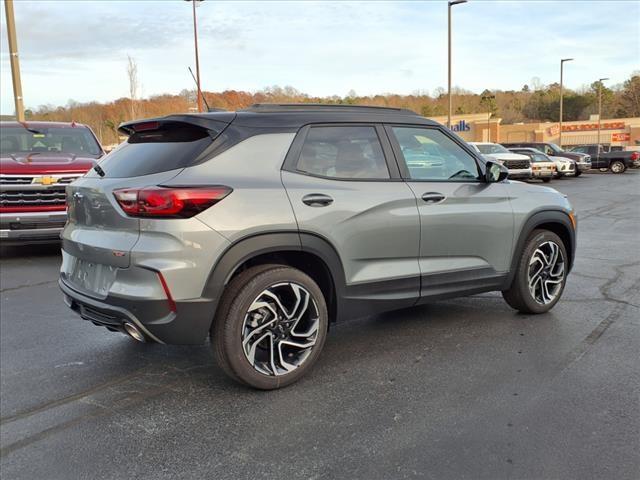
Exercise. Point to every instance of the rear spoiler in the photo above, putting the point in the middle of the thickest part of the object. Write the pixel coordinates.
(215, 121)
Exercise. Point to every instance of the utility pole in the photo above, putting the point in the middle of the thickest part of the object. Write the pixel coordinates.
(15, 63)
(451, 4)
(195, 41)
(599, 115)
(561, 72)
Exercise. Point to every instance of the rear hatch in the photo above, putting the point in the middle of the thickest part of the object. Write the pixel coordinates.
(99, 235)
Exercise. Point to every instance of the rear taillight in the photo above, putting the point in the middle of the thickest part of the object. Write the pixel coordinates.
(635, 156)
(167, 202)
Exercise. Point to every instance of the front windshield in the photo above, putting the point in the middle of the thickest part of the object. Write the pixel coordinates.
(488, 149)
(74, 140)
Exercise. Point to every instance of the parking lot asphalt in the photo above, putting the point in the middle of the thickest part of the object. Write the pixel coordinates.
(464, 388)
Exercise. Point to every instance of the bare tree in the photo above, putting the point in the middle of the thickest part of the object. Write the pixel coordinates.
(132, 73)
(536, 84)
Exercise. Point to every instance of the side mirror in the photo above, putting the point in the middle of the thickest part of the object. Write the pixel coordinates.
(495, 172)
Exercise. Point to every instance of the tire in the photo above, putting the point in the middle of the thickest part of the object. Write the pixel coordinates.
(251, 363)
(553, 275)
(617, 166)
(546, 179)
(577, 172)
(603, 170)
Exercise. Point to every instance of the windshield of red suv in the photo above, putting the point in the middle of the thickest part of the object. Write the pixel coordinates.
(75, 140)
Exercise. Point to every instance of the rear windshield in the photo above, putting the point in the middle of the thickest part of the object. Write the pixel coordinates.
(172, 146)
(74, 140)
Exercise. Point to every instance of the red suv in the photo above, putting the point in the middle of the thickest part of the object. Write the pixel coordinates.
(37, 161)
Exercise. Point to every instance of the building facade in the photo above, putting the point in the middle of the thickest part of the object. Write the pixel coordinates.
(623, 132)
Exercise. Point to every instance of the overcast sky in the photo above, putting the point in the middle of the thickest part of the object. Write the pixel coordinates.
(78, 49)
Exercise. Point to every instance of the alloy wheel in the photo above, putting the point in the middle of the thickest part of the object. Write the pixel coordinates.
(280, 329)
(617, 167)
(546, 272)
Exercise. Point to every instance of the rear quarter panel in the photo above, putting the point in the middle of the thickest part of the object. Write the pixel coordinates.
(259, 202)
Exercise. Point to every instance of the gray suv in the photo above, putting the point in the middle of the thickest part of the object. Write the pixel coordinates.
(260, 227)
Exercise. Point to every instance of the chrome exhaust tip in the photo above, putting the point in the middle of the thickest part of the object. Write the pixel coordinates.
(134, 332)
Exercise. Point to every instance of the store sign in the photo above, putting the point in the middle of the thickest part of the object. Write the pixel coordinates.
(585, 127)
(553, 131)
(581, 127)
(620, 137)
(461, 126)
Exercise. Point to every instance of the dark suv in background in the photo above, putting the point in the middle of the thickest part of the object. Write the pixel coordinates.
(582, 160)
(260, 227)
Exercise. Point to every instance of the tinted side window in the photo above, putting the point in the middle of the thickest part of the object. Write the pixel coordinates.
(343, 152)
(431, 155)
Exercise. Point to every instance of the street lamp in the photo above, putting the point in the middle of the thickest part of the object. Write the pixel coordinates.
(195, 41)
(599, 113)
(561, 72)
(451, 4)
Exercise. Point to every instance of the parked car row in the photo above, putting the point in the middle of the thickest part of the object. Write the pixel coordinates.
(544, 161)
(582, 161)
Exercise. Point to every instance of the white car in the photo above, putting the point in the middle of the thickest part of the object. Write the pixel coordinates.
(565, 167)
(543, 167)
(519, 165)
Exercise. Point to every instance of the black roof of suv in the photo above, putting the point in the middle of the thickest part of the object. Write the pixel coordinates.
(294, 116)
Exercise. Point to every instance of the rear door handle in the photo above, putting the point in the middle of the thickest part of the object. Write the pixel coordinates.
(317, 200)
(433, 197)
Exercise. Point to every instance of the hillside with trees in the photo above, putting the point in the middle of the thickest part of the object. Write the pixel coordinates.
(532, 103)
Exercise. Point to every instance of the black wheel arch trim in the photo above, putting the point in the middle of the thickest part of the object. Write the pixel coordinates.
(534, 220)
(255, 245)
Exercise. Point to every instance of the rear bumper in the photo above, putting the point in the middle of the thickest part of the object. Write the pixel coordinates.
(520, 173)
(543, 173)
(188, 325)
(31, 227)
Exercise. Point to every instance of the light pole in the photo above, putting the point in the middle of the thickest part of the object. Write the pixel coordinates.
(195, 41)
(561, 72)
(599, 114)
(451, 4)
(13, 58)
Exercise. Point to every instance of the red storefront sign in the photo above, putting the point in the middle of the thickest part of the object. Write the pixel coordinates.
(620, 137)
(581, 127)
